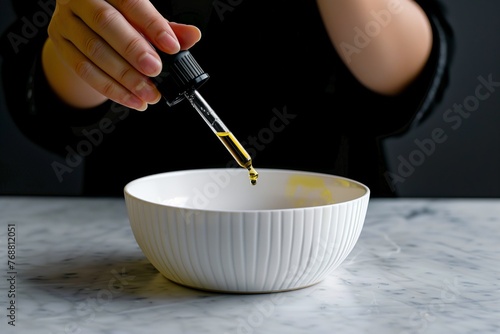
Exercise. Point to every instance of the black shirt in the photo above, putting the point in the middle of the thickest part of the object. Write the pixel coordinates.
(275, 81)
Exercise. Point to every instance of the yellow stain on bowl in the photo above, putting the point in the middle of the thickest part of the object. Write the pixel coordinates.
(344, 183)
(308, 191)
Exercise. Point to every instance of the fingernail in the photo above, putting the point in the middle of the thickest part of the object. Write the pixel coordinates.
(168, 42)
(156, 100)
(147, 91)
(136, 103)
(149, 64)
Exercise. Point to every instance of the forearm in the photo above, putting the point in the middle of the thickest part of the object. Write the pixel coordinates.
(65, 83)
(385, 43)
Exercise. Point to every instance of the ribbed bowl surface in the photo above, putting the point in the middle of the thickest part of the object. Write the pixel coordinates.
(209, 229)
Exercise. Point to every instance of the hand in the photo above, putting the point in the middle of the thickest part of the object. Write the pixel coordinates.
(106, 44)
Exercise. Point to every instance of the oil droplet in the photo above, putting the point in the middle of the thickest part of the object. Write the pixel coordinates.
(253, 175)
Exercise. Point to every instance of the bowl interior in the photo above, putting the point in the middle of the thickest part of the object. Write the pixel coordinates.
(231, 190)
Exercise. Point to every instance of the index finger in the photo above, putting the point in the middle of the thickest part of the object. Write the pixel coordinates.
(144, 17)
(113, 26)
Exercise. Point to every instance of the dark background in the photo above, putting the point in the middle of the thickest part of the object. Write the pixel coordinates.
(464, 162)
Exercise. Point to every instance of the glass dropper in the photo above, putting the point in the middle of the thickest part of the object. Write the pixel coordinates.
(183, 77)
(226, 137)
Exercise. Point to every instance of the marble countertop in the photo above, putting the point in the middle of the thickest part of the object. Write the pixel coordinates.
(420, 266)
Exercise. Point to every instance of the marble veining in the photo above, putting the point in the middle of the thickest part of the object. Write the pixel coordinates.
(420, 266)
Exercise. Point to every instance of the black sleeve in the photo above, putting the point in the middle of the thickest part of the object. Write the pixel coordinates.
(35, 109)
(435, 77)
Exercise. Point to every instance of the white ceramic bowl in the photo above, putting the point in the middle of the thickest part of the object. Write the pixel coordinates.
(211, 229)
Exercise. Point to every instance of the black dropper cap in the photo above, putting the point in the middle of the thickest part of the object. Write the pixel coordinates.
(181, 73)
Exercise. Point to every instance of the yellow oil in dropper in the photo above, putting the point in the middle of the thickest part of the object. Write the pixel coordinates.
(226, 137)
(183, 75)
(239, 154)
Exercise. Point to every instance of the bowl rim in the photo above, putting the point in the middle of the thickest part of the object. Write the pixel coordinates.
(127, 192)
